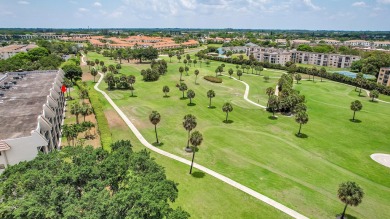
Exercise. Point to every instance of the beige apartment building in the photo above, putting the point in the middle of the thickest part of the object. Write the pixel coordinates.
(383, 77)
(11, 50)
(281, 56)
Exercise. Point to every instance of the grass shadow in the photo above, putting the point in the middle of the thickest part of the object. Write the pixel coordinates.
(272, 117)
(302, 135)
(228, 121)
(134, 96)
(355, 121)
(198, 174)
(158, 144)
(191, 104)
(166, 96)
(346, 216)
(211, 107)
(183, 98)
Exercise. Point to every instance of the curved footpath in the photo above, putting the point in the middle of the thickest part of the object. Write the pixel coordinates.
(227, 180)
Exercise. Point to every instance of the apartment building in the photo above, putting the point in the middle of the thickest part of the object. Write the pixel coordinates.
(357, 43)
(381, 44)
(11, 50)
(281, 56)
(31, 112)
(383, 77)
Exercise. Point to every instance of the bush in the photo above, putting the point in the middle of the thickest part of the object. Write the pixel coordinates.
(213, 79)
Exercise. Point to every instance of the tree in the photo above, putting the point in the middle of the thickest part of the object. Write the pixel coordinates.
(101, 63)
(68, 84)
(266, 78)
(374, 94)
(104, 69)
(111, 68)
(196, 74)
(350, 193)
(270, 91)
(273, 104)
(227, 107)
(210, 94)
(181, 70)
(155, 118)
(131, 80)
(194, 62)
(239, 74)
(190, 95)
(165, 90)
(72, 71)
(298, 77)
(189, 123)
(322, 73)
(67, 132)
(178, 57)
(118, 66)
(196, 139)
(97, 63)
(356, 106)
(301, 118)
(182, 88)
(359, 79)
(75, 109)
(230, 71)
(120, 184)
(94, 73)
(170, 55)
(185, 61)
(86, 110)
(186, 68)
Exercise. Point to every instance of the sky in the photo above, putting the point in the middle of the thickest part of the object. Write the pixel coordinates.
(243, 14)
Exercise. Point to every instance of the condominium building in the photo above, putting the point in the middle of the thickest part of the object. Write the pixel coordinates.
(31, 113)
(383, 77)
(357, 43)
(11, 50)
(281, 56)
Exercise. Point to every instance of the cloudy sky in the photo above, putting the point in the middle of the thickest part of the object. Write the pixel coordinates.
(254, 14)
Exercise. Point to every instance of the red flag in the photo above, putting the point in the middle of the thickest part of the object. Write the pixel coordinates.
(63, 88)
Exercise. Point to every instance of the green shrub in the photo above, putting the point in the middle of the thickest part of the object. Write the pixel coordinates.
(213, 79)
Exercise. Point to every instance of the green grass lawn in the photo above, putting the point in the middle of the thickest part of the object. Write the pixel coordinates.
(319, 67)
(265, 154)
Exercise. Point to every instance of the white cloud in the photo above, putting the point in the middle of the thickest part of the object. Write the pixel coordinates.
(384, 1)
(97, 4)
(23, 2)
(359, 4)
(83, 10)
(311, 5)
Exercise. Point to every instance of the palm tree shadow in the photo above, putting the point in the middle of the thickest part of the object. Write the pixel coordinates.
(228, 121)
(158, 144)
(183, 98)
(191, 104)
(355, 121)
(346, 216)
(211, 107)
(134, 96)
(302, 135)
(166, 96)
(272, 117)
(198, 174)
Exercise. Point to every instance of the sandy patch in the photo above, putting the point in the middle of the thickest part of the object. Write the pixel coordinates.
(383, 159)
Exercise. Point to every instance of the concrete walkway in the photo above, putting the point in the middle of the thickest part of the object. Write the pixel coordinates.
(227, 180)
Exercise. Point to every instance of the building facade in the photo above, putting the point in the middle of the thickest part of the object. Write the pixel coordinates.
(383, 77)
(32, 111)
(281, 56)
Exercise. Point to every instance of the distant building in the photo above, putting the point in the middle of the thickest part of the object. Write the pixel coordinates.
(383, 77)
(381, 44)
(11, 50)
(31, 114)
(281, 56)
(357, 43)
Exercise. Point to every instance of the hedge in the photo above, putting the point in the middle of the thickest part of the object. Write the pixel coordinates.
(213, 79)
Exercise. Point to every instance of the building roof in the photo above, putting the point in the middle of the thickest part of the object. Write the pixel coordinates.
(22, 103)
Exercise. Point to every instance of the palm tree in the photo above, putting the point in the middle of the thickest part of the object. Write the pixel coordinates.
(239, 74)
(322, 72)
(196, 74)
(270, 91)
(356, 106)
(195, 139)
(298, 77)
(186, 68)
(165, 90)
(194, 62)
(67, 132)
(118, 66)
(94, 73)
(210, 94)
(273, 104)
(189, 123)
(301, 118)
(350, 193)
(104, 69)
(111, 68)
(185, 62)
(75, 109)
(101, 63)
(155, 118)
(230, 72)
(190, 95)
(170, 54)
(97, 62)
(374, 94)
(181, 70)
(131, 81)
(227, 107)
(178, 57)
(182, 88)
(86, 110)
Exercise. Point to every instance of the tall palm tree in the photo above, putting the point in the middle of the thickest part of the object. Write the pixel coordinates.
(170, 55)
(195, 139)
(227, 107)
(189, 123)
(186, 69)
(178, 57)
(230, 72)
(97, 63)
(350, 193)
(181, 70)
(194, 62)
(131, 81)
(210, 94)
(374, 94)
(273, 104)
(75, 109)
(298, 77)
(111, 68)
(190, 95)
(67, 133)
(155, 118)
(104, 68)
(166, 90)
(270, 91)
(196, 74)
(86, 110)
(182, 88)
(239, 74)
(322, 73)
(301, 118)
(356, 106)
(94, 73)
